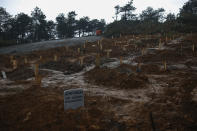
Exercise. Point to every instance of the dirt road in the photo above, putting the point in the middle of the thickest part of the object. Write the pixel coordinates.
(25, 48)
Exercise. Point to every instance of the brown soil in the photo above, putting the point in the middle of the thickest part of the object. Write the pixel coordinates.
(42, 109)
(64, 66)
(23, 74)
(172, 107)
(175, 109)
(119, 78)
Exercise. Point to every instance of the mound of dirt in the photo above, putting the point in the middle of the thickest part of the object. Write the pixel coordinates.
(151, 68)
(64, 66)
(20, 74)
(119, 78)
(43, 109)
(23, 73)
(191, 62)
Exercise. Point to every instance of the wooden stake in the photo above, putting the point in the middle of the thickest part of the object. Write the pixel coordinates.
(98, 60)
(101, 47)
(165, 65)
(166, 39)
(98, 42)
(143, 51)
(66, 47)
(159, 46)
(81, 60)
(25, 60)
(78, 50)
(14, 64)
(38, 80)
(135, 47)
(115, 43)
(124, 47)
(55, 57)
(108, 52)
(11, 59)
(193, 47)
(36, 70)
(40, 57)
(120, 60)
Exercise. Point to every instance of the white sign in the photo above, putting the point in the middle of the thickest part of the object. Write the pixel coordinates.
(73, 98)
(4, 75)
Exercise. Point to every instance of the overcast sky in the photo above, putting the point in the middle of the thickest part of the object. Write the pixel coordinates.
(99, 9)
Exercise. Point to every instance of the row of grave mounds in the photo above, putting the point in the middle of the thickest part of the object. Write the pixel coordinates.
(63, 65)
(23, 73)
(171, 56)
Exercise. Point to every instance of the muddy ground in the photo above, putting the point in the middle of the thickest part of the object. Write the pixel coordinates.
(140, 86)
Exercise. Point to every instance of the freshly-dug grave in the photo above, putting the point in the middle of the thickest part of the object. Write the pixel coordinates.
(119, 77)
(23, 73)
(43, 109)
(20, 74)
(63, 65)
(191, 62)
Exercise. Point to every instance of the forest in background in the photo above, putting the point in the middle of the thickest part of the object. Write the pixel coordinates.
(23, 28)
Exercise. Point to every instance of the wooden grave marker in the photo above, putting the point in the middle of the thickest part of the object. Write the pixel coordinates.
(97, 60)
(78, 50)
(55, 58)
(15, 64)
(193, 48)
(108, 52)
(81, 59)
(121, 60)
(36, 69)
(165, 65)
(25, 60)
(38, 78)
